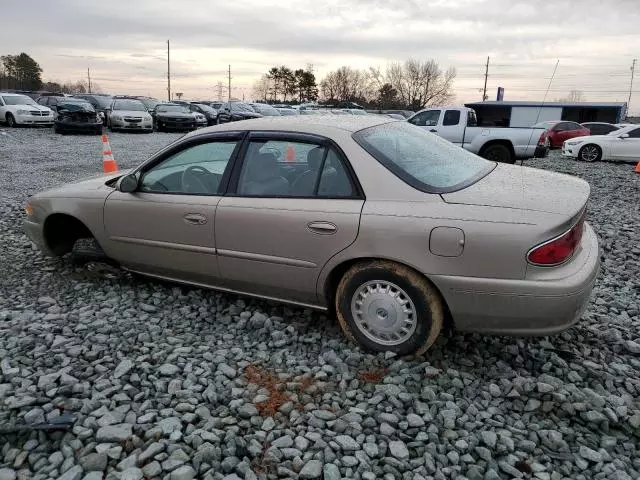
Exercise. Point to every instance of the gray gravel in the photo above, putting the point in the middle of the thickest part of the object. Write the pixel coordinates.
(178, 383)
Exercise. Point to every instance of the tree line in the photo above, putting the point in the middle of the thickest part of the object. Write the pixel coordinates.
(21, 72)
(413, 84)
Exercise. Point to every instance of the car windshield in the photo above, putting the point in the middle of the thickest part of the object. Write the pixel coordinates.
(103, 100)
(424, 161)
(241, 107)
(205, 108)
(18, 100)
(76, 106)
(131, 105)
(173, 108)
(548, 124)
(266, 110)
(150, 103)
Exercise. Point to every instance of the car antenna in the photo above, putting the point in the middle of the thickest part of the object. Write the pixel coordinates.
(542, 104)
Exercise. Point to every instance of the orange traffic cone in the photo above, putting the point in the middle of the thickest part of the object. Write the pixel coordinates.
(109, 164)
(637, 170)
(291, 154)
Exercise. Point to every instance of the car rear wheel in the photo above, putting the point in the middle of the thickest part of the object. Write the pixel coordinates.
(11, 121)
(590, 153)
(385, 306)
(497, 153)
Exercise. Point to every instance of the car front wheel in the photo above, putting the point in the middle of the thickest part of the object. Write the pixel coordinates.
(385, 306)
(11, 121)
(590, 153)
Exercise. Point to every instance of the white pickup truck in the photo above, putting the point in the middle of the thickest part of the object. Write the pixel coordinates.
(459, 125)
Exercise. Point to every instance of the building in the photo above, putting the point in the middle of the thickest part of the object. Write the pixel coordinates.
(526, 114)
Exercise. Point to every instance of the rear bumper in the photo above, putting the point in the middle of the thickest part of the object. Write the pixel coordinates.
(541, 151)
(525, 307)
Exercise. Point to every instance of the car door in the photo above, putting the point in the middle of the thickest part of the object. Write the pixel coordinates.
(627, 148)
(450, 128)
(166, 227)
(428, 119)
(293, 203)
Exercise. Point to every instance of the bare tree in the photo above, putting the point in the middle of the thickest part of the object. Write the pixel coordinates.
(574, 96)
(261, 88)
(348, 84)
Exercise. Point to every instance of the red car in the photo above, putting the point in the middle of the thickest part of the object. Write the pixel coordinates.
(559, 131)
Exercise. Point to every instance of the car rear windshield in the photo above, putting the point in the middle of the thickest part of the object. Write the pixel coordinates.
(421, 159)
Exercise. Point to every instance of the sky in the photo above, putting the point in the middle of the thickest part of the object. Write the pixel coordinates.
(123, 43)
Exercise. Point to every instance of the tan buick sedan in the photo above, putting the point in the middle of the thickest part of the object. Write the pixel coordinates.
(397, 230)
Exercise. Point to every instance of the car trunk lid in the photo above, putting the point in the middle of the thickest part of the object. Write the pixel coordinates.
(525, 188)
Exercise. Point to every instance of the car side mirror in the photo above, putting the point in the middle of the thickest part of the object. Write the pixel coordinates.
(623, 135)
(127, 183)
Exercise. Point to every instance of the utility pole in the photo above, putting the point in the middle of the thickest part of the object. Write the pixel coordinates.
(633, 69)
(229, 83)
(89, 80)
(168, 74)
(486, 75)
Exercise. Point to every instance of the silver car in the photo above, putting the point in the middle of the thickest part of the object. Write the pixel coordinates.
(398, 231)
(129, 114)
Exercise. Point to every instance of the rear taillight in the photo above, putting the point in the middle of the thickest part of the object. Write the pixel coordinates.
(560, 249)
(543, 138)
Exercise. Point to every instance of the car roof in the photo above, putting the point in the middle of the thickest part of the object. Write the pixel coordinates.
(311, 124)
(11, 94)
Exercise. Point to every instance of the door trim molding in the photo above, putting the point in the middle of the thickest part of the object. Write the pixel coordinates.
(167, 245)
(258, 257)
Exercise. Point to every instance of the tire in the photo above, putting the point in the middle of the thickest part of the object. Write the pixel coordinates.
(88, 250)
(590, 153)
(11, 121)
(498, 153)
(386, 284)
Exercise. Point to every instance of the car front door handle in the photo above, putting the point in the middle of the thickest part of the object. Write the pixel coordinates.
(433, 130)
(195, 219)
(322, 228)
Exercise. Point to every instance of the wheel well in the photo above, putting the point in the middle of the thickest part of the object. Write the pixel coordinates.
(505, 143)
(332, 281)
(61, 231)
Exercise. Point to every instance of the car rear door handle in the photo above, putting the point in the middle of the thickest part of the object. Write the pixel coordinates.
(322, 228)
(195, 219)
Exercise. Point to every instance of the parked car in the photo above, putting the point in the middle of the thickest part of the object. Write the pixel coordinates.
(288, 111)
(395, 116)
(488, 247)
(234, 111)
(173, 116)
(149, 102)
(620, 145)
(354, 111)
(129, 114)
(100, 101)
(600, 128)
(17, 109)
(210, 113)
(215, 105)
(265, 109)
(500, 144)
(76, 115)
(558, 131)
(309, 111)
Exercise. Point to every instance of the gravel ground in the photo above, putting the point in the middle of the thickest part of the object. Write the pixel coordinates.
(178, 383)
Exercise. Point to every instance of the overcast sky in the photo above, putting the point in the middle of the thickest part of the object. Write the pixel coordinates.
(124, 42)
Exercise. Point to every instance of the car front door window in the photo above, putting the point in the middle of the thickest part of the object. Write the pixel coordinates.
(196, 170)
(426, 119)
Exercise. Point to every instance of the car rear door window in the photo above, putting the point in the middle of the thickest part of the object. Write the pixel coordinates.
(281, 168)
(634, 133)
(451, 117)
(196, 170)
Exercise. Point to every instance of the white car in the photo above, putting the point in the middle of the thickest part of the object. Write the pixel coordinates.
(620, 145)
(17, 109)
(129, 114)
(201, 120)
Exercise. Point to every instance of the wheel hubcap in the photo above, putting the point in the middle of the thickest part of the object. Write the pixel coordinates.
(383, 312)
(589, 154)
